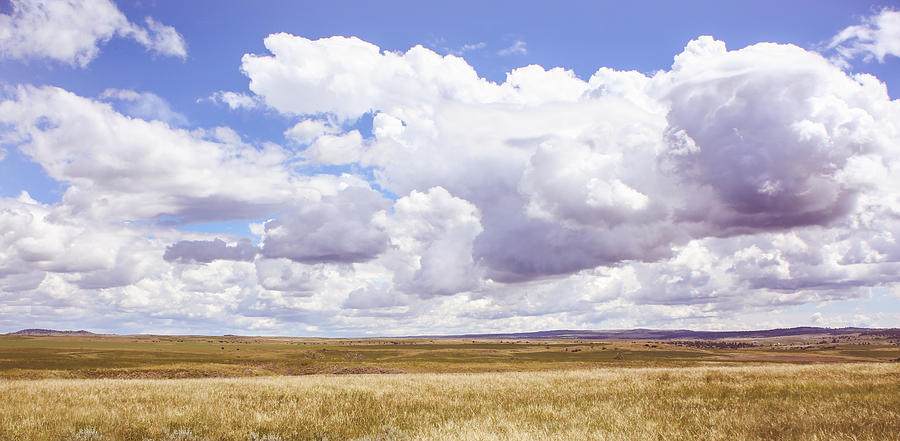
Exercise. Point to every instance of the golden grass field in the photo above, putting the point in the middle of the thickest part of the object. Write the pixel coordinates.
(179, 388)
(759, 402)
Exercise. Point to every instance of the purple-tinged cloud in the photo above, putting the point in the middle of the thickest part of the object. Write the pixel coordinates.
(205, 251)
(337, 229)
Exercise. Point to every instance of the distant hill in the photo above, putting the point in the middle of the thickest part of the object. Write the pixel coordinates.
(663, 334)
(50, 332)
(617, 334)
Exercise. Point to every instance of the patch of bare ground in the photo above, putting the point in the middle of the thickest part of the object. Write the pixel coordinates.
(791, 359)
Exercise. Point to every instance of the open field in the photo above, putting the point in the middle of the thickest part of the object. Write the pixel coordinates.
(196, 388)
(840, 401)
(34, 357)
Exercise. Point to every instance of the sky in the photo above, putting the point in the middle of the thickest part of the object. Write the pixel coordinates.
(401, 167)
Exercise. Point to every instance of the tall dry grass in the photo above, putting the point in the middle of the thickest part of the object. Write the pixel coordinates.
(789, 402)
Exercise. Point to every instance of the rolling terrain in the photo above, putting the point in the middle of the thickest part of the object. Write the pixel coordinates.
(664, 334)
(63, 355)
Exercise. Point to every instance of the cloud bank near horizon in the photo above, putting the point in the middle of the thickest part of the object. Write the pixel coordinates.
(735, 183)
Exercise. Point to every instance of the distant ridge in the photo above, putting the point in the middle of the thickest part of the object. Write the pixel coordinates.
(50, 332)
(662, 334)
(614, 334)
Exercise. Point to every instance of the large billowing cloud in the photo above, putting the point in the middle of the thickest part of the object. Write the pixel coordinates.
(71, 31)
(569, 175)
(765, 134)
(734, 183)
(621, 167)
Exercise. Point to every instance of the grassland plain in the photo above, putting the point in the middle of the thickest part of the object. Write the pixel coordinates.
(836, 401)
(30, 357)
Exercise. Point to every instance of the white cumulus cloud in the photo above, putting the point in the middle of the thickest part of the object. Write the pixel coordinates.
(877, 37)
(130, 168)
(234, 100)
(72, 31)
(570, 175)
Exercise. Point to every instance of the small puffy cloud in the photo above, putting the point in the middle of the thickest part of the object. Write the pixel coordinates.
(145, 105)
(71, 31)
(2, 154)
(306, 131)
(234, 100)
(385, 126)
(467, 48)
(159, 38)
(518, 47)
(877, 37)
(203, 251)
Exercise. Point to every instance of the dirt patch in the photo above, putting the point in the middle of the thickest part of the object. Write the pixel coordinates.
(154, 373)
(791, 358)
(363, 370)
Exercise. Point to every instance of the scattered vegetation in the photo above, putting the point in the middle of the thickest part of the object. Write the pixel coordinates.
(893, 333)
(714, 344)
(35, 357)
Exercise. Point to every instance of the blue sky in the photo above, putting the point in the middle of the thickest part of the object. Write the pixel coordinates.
(363, 187)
